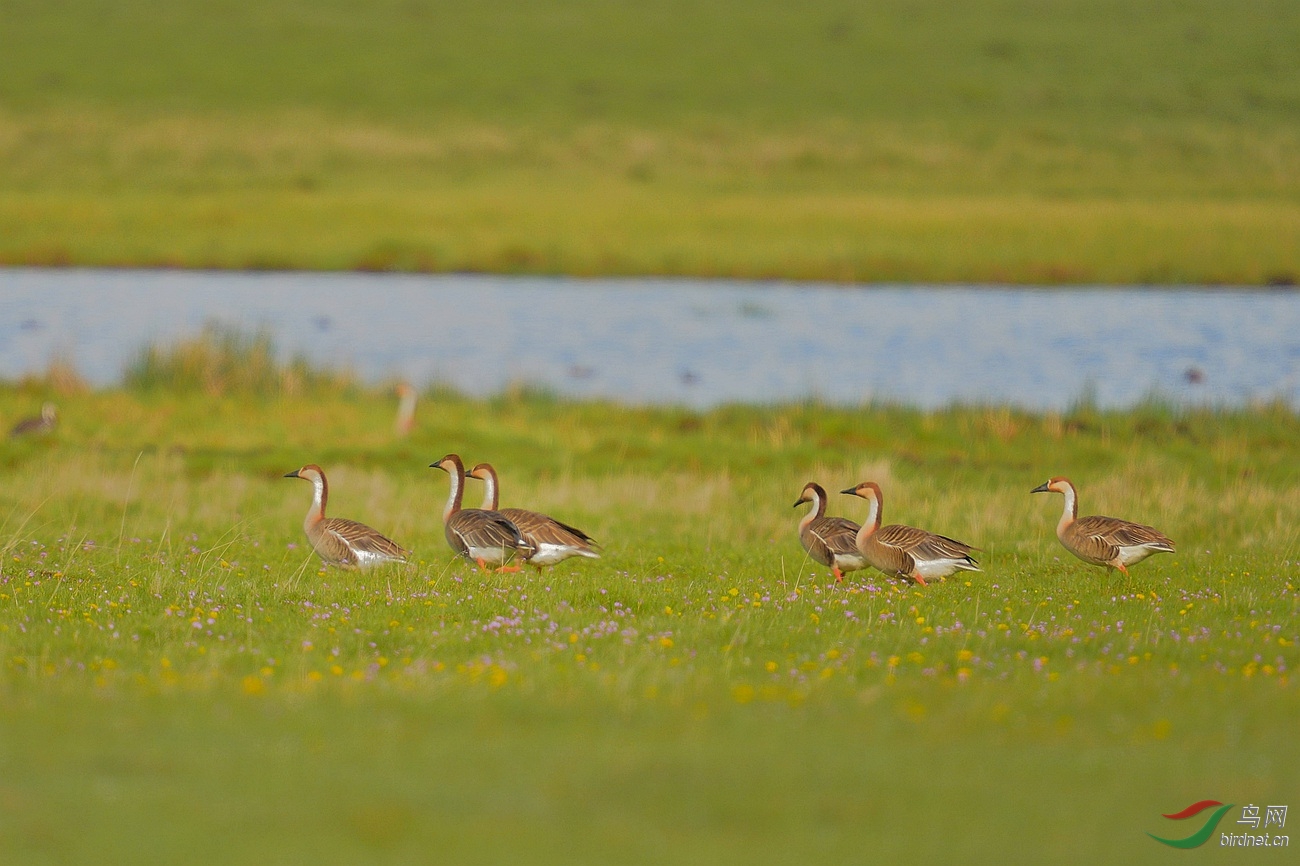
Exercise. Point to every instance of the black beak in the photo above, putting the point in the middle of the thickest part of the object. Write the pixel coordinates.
(436, 466)
(852, 491)
(293, 474)
(1042, 488)
(800, 502)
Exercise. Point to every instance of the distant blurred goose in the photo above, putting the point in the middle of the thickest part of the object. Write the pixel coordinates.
(905, 550)
(551, 540)
(1106, 541)
(404, 423)
(482, 535)
(340, 542)
(831, 541)
(43, 423)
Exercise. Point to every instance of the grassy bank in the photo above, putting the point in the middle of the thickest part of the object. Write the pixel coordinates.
(906, 141)
(175, 669)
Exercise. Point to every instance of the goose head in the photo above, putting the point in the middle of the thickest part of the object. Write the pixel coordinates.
(1057, 484)
(866, 490)
(812, 492)
(311, 472)
(451, 464)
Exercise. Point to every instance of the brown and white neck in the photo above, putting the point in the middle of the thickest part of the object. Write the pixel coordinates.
(1071, 510)
(491, 492)
(320, 495)
(457, 475)
(819, 506)
(872, 523)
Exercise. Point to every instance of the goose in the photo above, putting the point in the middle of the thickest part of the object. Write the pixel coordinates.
(551, 540)
(829, 540)
(404, 423)
(905, 550)
(1106, 541)
(482, 535)
(344, 543)
(43, 423)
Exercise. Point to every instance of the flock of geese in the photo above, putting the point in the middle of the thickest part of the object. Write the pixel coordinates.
(485, 535)
(504, 537)
(492, 537)
(918, 555)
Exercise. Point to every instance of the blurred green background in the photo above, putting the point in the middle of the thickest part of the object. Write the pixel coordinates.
(904, 139)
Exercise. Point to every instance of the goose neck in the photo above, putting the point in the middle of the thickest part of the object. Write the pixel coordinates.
(320, 495)
(457, 490)
(871, 524)
(818, 509)
(491, 490)
(1070, 510)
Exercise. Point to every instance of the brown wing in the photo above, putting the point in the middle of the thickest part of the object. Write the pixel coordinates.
(473, 527)
(892, 544)
(537, 529)
(359, 537)
(1121, 533)
(926, 545)
(815, 544)
(30, 425)
(831, 536)
(1087, 539)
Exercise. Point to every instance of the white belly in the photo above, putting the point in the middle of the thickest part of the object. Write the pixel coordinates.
(1135, 553)
(849, 561)
(367, 558)
(549, 554)
(932, 568)
(490, 554)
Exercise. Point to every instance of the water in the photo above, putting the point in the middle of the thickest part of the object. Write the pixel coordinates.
(691, 342)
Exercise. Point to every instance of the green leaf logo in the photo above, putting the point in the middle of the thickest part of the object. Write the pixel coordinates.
(1200, 837)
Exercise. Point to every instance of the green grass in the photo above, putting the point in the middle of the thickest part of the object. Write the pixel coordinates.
(179, 681)
(1065, 142)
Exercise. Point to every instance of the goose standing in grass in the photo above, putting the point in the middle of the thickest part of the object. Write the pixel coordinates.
(404, 423)
(551, 541)
(40, 425)
(1106, 541)
(340, 542)
(905, 550)
(832, 541)
(482, 535)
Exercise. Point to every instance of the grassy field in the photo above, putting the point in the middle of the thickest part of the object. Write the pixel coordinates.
(180, 682)
(1075, 141)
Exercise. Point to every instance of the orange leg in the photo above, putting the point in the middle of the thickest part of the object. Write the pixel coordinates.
(1123, 568)
(916, 575)
(509, 568)
(839, 575)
